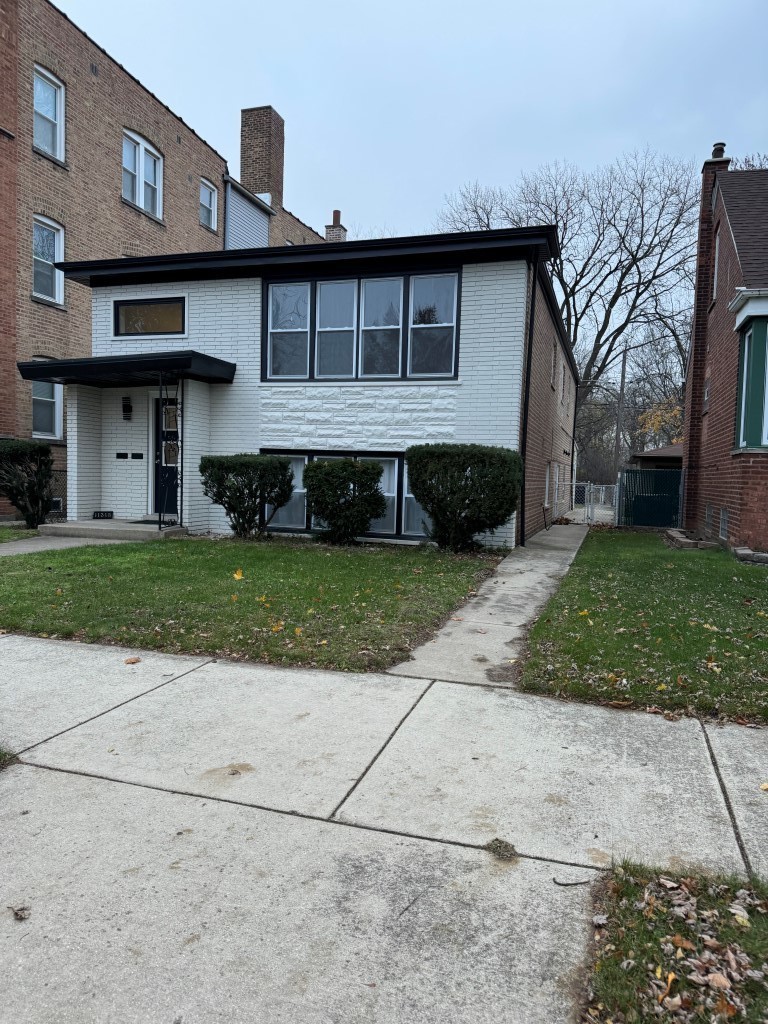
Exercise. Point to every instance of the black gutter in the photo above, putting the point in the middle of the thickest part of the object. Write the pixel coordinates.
(526, 400)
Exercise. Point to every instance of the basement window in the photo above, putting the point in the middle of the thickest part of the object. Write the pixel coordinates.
(723, 524)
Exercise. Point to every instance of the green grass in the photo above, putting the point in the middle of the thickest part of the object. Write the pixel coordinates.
(647, 949)
(15, 533)
(296, 604)
(637, 624)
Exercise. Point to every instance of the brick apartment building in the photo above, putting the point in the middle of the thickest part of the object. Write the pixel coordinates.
(726, 410)
(93, 165)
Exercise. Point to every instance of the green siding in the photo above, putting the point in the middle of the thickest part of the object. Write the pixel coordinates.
(755, 391)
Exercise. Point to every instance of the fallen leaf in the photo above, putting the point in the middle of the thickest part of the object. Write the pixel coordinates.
(681, 943)
(764, 787)
(599, 920)
(716, 980)
(20, 913)
(132, 661)
(237, 574)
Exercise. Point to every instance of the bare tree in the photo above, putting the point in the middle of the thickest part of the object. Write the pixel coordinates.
(749, 162)
(628, 240)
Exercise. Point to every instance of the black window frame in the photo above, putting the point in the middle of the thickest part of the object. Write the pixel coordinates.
(150, 300)
(405, 326)
(310, 454)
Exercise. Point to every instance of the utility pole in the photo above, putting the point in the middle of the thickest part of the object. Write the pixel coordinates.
(620, 416)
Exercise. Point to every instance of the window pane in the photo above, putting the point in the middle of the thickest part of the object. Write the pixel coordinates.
(44, 243)
(290, 303)
(433, 299)
(206, 196)
(43, 389)
(130, 152)
(432, 350)
(205, 216)
(129, 186)
(150, 317)
(381, 303)
(150, 168)
(44, 279)
(294, 513)
(381, 353)
(414, 517)
(290, 352)
(336, 304)
(45, 134)
(388, 484)
(150, 199)
(335, 353)
(43, 417)
(46, 96)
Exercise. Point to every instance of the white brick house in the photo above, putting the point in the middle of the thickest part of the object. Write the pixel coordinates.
(352, 348)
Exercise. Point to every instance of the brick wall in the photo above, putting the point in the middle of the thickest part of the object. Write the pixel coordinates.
(8, 197)
(262, 164)
(224, 320)
(550, 422)
(716, 475)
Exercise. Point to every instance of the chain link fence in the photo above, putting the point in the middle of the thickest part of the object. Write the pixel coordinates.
(594, 503)
(58, 513)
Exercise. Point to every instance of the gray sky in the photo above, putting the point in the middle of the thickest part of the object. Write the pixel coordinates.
(389, 106)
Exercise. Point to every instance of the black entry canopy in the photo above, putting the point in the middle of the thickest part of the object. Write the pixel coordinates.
(128, 371)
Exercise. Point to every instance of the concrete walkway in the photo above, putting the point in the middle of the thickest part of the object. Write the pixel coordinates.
(29, 545)
(200, 841)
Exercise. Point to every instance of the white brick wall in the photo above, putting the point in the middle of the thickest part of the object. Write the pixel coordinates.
(224, 320)
(83, 451)
(124, 481)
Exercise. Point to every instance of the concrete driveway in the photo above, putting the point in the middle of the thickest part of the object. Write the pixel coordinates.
(201, 841)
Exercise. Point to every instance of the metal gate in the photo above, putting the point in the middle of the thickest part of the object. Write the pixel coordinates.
(649, 497)
(593, 503)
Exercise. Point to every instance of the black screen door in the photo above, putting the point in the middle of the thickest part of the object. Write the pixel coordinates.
(166, 457)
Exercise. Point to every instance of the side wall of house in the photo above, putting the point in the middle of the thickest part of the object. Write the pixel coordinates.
(224, 320)
(549, 448)
(84, 452)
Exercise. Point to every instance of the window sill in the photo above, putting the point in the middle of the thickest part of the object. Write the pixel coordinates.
(140, 209)
(213, 231)
(750, 451)
(342, 382)
(54, 159)
(50, 303)
(50, 438)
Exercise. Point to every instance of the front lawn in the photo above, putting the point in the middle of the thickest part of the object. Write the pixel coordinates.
(637, 624)
(15, 533)
(282, 602)
(679, 948)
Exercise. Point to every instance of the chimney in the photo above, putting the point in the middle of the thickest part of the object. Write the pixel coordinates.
(262, 144)
(336, 232)
(718, 151)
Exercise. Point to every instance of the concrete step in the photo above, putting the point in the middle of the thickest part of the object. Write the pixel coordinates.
(111, 529)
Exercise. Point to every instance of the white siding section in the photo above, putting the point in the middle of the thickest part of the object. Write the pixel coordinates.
(83, 451)
(124, 488)
(224, 320)
(247, 226)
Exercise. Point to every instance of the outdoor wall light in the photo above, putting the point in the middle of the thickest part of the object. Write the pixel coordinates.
(127, 407)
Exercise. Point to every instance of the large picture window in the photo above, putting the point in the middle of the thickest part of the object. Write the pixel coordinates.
(150, 317)
(752, 416)
(353, 329)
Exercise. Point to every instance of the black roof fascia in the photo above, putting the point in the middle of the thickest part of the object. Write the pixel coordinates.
(130, 370)
(323, 257)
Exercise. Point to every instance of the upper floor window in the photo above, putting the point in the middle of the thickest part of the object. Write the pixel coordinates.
(209, 201)
(348, 329)
(142, 174)
(47, 249)
(149, 316)
(48, 132)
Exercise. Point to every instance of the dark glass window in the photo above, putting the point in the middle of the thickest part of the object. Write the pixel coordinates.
(150, 316)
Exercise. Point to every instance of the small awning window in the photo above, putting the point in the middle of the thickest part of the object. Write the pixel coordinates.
(139, 370)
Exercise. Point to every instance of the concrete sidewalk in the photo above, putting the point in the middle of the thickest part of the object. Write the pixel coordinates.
(29, 545)
(483, 640)
(200, 841)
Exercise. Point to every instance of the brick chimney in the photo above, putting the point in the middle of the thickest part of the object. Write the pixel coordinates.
(697, 364)
(262, 144)
(336, 232)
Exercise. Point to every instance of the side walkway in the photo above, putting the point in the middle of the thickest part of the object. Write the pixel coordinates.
(29, 545)
(482, 641)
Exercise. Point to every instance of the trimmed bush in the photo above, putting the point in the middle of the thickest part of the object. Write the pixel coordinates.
(244, 485)
(26, 478)
(465, 489)
(346, 495)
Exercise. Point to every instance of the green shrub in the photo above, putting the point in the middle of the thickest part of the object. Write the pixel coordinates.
(244, 485)
(26, 478)
(465, 489)
(345, 495)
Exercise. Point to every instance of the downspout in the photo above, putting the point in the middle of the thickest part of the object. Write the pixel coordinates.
(527, 396)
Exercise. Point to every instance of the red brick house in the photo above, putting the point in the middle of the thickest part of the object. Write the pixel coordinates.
(726, 408)
(93, 165)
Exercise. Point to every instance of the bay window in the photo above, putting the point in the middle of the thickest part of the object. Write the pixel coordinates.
(353, 328)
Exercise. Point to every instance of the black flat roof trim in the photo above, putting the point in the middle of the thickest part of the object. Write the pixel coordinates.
(469, 245)
(134, 370)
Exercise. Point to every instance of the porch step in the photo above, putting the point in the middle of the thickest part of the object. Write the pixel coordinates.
(110, 529)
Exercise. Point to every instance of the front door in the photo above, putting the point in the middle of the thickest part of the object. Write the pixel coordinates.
(166, 457)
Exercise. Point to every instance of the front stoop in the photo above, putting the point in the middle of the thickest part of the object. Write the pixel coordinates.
(748, 555)
(111, 529)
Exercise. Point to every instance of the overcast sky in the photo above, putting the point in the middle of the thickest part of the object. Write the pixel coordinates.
(391, 105)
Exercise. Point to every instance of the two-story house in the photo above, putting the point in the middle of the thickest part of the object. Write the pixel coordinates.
(93, 165)
(725, 455)
(314, 351)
